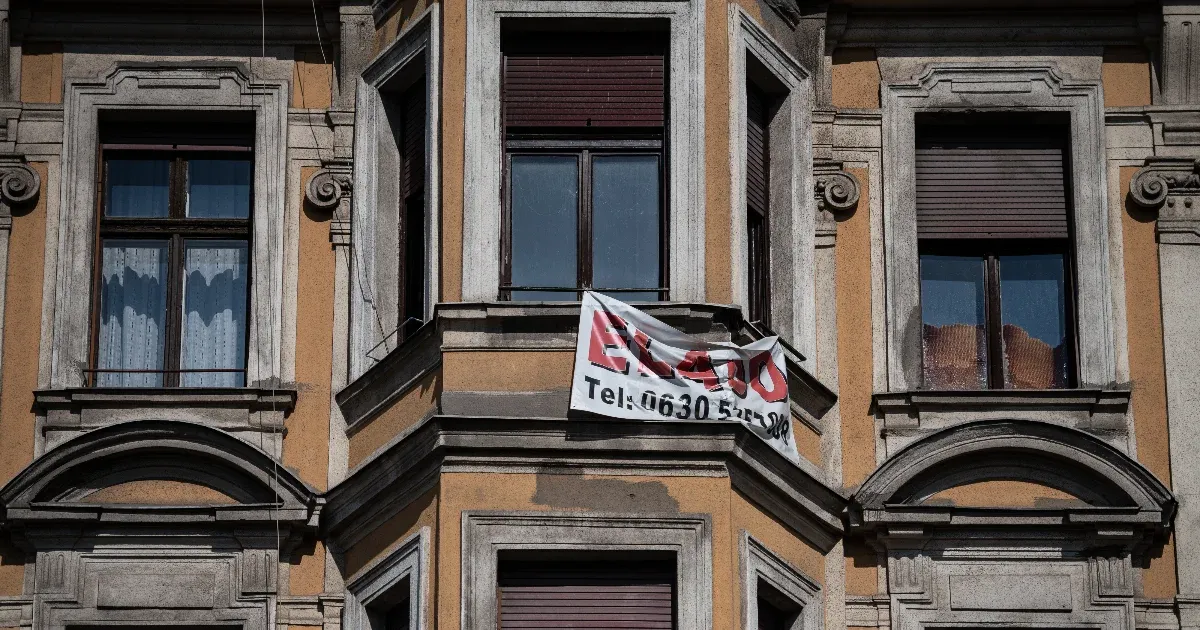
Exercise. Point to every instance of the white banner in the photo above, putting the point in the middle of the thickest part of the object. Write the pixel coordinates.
(631, 365)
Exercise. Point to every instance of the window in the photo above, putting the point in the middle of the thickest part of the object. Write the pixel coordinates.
(584, 123)
(777, 596)
(758, 169)
(408, 109)
(995, 253)
(391, 611)
(775, 610)
(172, 260)
(588, 590)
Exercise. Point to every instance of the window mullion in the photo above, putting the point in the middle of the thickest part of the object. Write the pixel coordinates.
(585, 220)
(994, 325)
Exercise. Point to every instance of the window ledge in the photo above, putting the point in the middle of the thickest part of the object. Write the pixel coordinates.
(253, 414)
(908, 416)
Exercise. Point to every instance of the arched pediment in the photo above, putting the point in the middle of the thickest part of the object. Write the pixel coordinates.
(161, 472)
(941, 481)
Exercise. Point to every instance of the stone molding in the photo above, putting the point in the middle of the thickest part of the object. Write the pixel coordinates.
(412, 465)
(836, 191)
(685, 181)
(19, 183)
(760, 564)
(379, 580)
(1125, 508)
(1030, 86)
(792, 214)
(182, 86)
(330, 188)
(254, 415)
(1170, 186)
(906, 417)
(376, 226)
(43, 501)
(486, 534)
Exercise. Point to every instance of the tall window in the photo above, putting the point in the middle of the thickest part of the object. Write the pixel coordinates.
(172, 261)
(995, 252)
(584, 122)
(408, 107)
(758, 169)
(591, 591)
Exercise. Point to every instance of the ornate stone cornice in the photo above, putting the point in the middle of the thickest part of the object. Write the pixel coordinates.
(330, 186)
(19, 183)
(835, 189)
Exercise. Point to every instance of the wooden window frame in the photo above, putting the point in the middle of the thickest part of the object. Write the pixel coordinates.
(175, 229)
(991, 250)
(584, 148)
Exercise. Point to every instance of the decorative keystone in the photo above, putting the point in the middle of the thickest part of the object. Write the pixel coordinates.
(1166, 180)
(835, 189)
(329, 186)
(19, 183)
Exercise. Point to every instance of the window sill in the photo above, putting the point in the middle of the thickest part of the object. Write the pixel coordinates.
(253, 414)
(905, 417)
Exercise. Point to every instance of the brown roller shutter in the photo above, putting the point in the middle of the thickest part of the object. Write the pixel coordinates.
(586, 595)
(412, 144)
(585, 80)
(991, 182)
(756, 150)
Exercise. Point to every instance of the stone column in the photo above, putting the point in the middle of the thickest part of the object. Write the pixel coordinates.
(1171, 186)
(1180, 52)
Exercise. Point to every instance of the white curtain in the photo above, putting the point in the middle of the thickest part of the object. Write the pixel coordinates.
(133, 304)
(214, 313)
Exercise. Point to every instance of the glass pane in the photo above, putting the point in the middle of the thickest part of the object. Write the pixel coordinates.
(218, 189)
(1033, 308)
(953, 324)
(545, 202)
(137, 188)
(214, 313)
(625, 224)
(133, 307)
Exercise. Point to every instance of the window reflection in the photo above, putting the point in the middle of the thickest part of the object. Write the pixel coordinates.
(954, 337)
(625, 224)
(545, 198)
(1034, 314)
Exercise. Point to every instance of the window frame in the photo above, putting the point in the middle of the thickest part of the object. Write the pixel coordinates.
(177, 230)
(406, 565)
(584, 148)
(760, 565)
(991, 250)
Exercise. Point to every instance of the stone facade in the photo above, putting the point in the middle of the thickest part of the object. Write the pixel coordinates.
(369, 461)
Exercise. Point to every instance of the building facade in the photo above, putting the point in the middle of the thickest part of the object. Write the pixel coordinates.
(290, 294)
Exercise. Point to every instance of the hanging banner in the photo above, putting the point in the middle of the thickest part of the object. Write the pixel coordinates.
(631, 365)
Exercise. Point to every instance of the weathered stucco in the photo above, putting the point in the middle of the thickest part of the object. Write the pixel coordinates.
(406, 411)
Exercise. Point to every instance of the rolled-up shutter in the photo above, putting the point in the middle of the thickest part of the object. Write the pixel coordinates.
(991, 183)
(586, 595)
(585, 88)
(412, 145)
(756, 150)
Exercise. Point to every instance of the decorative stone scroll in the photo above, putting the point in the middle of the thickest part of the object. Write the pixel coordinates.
(835, 189)
(330, 186)
(19, 183)
(1166, 180)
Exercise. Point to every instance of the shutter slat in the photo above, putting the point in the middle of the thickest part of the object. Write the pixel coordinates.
(587, 90)
(976, 184)
(413, 142)
(756, 150)
(586, 595)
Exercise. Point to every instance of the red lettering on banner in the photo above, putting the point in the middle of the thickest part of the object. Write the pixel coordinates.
(604, 336)
(736, 377)
(778, 391)
(698, 366)
(646, 363)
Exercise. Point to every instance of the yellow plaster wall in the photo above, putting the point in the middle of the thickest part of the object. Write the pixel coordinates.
(420, 513)
(454, 72)
(502, 371)
(402, 414)
(1125, 74)
(748, 516)
(12, 568)
(41, 73)
(1147, 367)
(312, 78)
(22, 331)
(855, 78)
(855, 367)
(481, 491)
(159, 492)
(1005, 493)
(718, 272)
(808, 442)
(397, 21)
